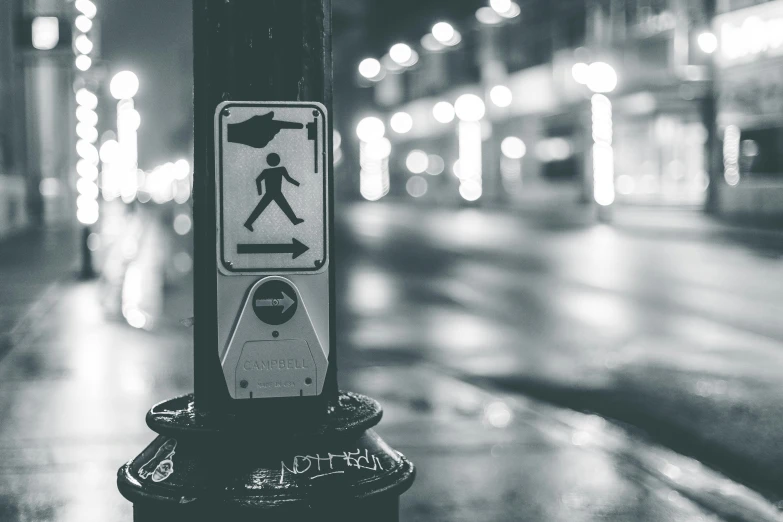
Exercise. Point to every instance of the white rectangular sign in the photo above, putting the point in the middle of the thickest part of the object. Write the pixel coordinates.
(271, 187)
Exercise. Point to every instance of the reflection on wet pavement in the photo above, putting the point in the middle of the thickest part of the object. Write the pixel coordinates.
(448, 320)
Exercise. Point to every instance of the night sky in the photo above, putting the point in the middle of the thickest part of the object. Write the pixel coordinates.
(153, 38)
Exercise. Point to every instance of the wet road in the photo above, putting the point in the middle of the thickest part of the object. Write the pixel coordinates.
(664, 321)
(453, 320)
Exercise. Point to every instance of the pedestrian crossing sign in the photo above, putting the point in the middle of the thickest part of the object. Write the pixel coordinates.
(271, 187)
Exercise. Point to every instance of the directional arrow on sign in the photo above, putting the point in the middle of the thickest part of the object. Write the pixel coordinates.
(295, 248)
(286, 302)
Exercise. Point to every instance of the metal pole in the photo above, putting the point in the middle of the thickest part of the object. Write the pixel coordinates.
(87, 270)
(221, 455)
(251, 51)
(709, 116)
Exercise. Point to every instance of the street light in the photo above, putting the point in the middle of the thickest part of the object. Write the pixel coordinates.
(83, 62)
(374, 151)
(85, 98)
(401, 53)
(370, 68)
(512, 12)
(443, 112)
(109, 151)
(513, 147)
(83, 44)
(83, 23)
(87, 208)
(469, 107)
(86, 115)
(500, 6)
(602, 77)
(401, 123)
(488, 16)
(443, 32)
(86, 7)
(370, 129)
(708, 42)
(581, 73)
(45, 32)
(124, 85)
(501, 96)
(120, 178)
(417, 161)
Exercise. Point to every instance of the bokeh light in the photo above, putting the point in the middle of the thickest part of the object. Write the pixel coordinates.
(417, 161)
(401, 122)
(83, 62)
(443, 32)
(488, 16)
(370, 129)
(602, 77)
(124, 85)
(470, 189)
(401, 53)
(581, 73)
(370, 68)
(435, 165)
(83, 23)
(469, 107)
(83, 44)
(708, 42)
(443, 112)
(416, 186)
(501, 96)
(513, 147)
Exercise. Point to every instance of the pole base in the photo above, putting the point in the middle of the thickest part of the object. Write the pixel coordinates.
(215, 467)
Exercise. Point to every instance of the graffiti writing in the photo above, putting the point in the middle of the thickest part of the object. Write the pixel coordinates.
(331, 464)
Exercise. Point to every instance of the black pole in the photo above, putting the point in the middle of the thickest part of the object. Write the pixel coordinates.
(278, 459)
(87, 270)
(708, 108)
(247, 50)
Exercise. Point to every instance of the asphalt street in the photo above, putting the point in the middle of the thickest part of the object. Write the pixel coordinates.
(664, 320)
(535, 368)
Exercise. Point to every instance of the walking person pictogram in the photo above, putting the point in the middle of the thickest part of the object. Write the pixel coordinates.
(273, 178)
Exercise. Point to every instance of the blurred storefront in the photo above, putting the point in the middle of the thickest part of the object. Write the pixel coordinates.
(659, 133)
(537, 126)
(13, 193)
(36, 108)
(692, 99)
(750, 107)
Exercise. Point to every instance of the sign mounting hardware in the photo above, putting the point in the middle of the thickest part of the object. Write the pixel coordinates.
(272, 185)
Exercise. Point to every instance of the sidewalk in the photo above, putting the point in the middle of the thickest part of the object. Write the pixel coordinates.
(74, 393)
(31, 263)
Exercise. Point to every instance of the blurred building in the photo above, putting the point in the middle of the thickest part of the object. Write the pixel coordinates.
(749, 70)
(37, 107)
(576, 94)
(13, 146)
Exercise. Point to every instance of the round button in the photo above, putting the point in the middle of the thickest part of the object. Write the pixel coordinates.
(275, 302)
